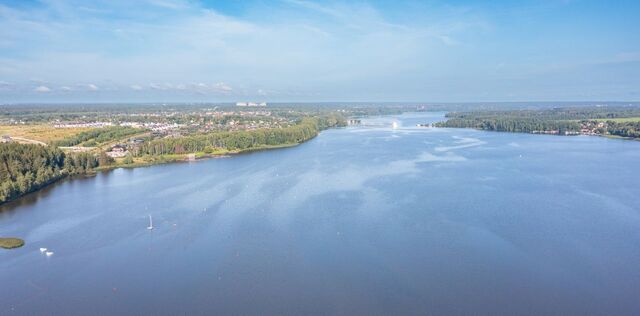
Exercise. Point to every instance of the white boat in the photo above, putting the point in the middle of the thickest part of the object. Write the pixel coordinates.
(49, 253)
(150, 223)
(43, 249)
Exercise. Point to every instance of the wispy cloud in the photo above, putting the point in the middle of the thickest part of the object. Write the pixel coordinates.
(223, 87)
(91, 87)
(42, 89)
(170, 4)
(4, 85)
(321, 50)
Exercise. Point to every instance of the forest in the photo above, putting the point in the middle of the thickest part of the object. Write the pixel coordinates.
(518, 125)
(623, 129)
(25, 167)
(618, 121)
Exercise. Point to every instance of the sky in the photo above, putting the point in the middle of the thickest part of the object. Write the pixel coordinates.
(306, 51)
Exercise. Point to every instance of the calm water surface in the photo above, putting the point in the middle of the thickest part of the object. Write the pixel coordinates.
(363, 220)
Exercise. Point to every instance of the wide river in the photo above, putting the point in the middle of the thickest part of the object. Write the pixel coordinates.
(360, 220)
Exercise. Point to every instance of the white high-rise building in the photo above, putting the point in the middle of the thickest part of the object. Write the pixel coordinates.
(251, 104)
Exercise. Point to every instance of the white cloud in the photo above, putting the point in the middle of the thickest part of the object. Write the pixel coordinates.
(86, 87)
(448, 40)
(170, 4)
(320, 50)
(222, 87)
(203, 40)
(65, 88)
(42, 89)
(5, 86)
(135, 87)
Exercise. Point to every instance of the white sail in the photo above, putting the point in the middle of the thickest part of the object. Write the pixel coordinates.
(150, 222)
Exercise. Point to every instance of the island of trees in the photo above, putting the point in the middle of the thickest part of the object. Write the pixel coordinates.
(10, 243)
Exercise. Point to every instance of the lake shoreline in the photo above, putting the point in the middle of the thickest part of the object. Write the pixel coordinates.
(623, 138)
(166, 159)
(380, 200)
(198, 157)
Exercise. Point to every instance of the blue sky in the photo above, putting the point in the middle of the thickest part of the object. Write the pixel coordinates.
(302, 50)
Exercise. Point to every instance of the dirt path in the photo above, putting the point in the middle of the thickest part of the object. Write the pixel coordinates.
(30, 141)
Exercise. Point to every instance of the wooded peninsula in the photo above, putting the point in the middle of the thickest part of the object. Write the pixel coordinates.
(28, 167)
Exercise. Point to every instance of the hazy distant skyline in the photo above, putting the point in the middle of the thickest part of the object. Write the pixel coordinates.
(298, 50)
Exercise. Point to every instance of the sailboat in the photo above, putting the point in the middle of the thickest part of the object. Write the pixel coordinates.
(150, 223)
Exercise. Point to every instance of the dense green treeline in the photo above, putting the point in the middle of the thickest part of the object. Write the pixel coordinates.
(25, 168)
(623, 129)
(592, 120)
(306, 129)
(520, 125)
(98, 136)
(555, 114)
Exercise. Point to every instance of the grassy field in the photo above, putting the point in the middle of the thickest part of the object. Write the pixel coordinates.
(44, 133)
(10, 243)
(620, 119)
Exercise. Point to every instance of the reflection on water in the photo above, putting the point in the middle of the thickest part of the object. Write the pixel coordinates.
(361, 220)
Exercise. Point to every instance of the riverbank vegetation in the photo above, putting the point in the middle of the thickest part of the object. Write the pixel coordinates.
(11, 243)
(605, 121)
(25, 168)
(225, 142)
